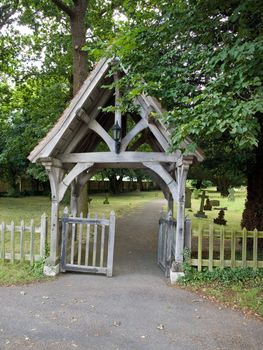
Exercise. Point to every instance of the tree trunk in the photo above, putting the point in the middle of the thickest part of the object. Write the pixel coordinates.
(253, 214)
(223, 185)
(78, 31)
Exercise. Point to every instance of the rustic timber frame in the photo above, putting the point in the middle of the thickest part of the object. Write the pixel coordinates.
(71, 157)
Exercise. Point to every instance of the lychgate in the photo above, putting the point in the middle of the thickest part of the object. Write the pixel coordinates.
(71, 155)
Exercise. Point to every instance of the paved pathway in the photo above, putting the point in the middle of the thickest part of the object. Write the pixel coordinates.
(79, 311)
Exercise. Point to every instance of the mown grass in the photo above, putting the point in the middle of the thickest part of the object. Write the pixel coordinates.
(20, 273)
(27, 208)
(233, 214)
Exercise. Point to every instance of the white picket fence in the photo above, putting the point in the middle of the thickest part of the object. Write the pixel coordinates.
(20, 243)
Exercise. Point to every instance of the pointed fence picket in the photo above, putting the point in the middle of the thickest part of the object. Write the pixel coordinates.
(233, 248)
(20, 243)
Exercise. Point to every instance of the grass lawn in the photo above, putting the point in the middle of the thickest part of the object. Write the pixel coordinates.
(233, 214)
(27, 208)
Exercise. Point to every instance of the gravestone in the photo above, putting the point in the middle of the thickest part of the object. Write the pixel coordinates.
(215, 202)
(208, 205)
(188, 195)
(231, 196)
(201, 213)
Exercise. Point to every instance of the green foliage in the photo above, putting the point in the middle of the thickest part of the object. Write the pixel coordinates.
(203, 61)
(225, 276)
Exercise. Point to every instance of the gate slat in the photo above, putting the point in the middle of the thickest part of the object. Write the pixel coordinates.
(87, 242)
(111, 244)
(94, 256)
(72, 253)
(80, 240)
(102, 245)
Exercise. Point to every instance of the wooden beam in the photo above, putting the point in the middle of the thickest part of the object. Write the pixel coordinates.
(141, 125)
(49, 143)
(123, 157)
(98, 129)
(83, 129)
(167, 178)
(76, 171)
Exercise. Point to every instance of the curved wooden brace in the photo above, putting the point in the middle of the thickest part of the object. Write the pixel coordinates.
(166, 177)
(64, 184)
(141, 125)
(163, 186)
(98, 129)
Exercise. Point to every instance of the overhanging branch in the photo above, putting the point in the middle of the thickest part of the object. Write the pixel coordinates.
(65, 8)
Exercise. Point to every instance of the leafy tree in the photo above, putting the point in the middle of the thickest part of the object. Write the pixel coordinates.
(203, 60)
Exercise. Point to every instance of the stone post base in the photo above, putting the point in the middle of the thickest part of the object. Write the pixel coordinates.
(174, 276)
(51, 270)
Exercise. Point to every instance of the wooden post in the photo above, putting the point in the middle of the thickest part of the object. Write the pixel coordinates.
(2, 241)
(22, 256)
(200, 247)
(211, 247)
(32, 238)
(12, 242)
(55, 174)
(170, 204)
(43, 235)
(181, 175)
(169, 239)
(54, 233)
(188, 233)
(255, 249)
(111, 244)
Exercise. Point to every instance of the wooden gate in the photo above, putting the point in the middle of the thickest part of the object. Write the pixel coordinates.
(166, 242)
(88, 244)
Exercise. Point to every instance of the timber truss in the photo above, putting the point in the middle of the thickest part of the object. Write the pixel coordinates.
(81, 143)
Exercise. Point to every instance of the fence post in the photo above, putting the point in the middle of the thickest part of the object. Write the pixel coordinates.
(43, 235)
(22, 232)
(111, 244)
(3, 241)
(32, 232)
(200, 247)
(211, 247)
(255, 249)
(244, 248)
(12, 242)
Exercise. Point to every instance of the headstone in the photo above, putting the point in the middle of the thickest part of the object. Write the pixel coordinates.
(106, 201)
(188, 195)
(220, 220)
(200, 213)
(215, 202)
(208, 205)
(231, 196)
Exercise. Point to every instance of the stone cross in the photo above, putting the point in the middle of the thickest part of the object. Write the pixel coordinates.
(201, 213)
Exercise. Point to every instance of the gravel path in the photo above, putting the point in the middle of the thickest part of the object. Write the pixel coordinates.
(136, 309)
